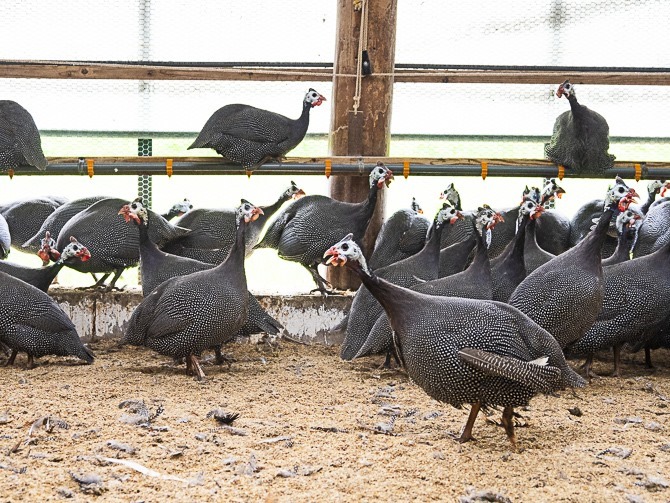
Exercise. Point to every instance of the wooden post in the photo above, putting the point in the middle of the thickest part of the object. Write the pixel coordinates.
(368, 132)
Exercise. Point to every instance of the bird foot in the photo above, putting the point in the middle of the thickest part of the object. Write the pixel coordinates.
(193, 367)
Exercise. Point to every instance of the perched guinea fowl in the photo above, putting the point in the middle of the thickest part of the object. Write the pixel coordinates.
(33, 323)
(508, 269)
(178, 209)
(42, 277)
(473, 283)
(304, 230)
(114, 245)
(565, 295)
(25, 218)
(627, 224)
(580, 139)
(402, 235)
(422, 266)
(5, 238)
(636, 300)
(188, 314)
(582, 221)
(214, 230)
(157, 266)
(252, 136)
(20, 142)
(484, 353)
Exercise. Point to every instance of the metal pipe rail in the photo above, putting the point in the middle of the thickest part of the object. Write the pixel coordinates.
(337, 166)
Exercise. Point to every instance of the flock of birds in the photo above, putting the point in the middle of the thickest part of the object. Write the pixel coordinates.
(479, 306)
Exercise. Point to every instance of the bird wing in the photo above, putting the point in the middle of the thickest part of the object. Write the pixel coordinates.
(249, 123)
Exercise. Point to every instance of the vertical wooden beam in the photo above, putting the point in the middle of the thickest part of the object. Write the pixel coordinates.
(368, 132)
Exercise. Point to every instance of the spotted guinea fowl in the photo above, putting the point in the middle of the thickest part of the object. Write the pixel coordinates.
(459, 351)
(402, 235)
(252, 136)
(5, 238)
(463, 229)
(25, 218)
(304, 230)
(636, 302)
(214, 230)
(534, 255)
(553, 229)
(473, 283)
(565, 295)
(42, 277)
(508, 269)
(654, 232)
(187, 314)
(580, 140)
(582, 221)
(33, 323)
(627, 224)
(422, 266)
(157, 266)
(654, 188)
(20, 142)
(114, 246)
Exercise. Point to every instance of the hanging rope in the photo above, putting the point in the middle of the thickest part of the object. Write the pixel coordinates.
(361, 5)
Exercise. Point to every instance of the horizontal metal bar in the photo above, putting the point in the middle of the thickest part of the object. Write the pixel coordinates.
(506, 169)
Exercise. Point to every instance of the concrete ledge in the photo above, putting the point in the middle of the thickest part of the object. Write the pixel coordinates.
(306, 318)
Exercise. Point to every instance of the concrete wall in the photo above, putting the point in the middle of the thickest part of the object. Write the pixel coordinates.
(306, 318)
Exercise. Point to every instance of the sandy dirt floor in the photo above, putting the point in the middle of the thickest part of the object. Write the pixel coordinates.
(310, 429)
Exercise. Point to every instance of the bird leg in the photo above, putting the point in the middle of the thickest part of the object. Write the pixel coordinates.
(193, 367)
(320, 282)
(647, 358)
(12, 357)
(98, 282)
(220, 358)
(586, 367)
(111, 286)
(31, 363)
(466, 432)
(508, 424)
(617, 361)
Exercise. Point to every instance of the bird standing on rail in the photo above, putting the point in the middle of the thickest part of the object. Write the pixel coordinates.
(253, 136)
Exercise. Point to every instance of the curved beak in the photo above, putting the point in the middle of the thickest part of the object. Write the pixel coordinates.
(127, 215)
(320, 100)
(538, 211)
(455, 218)
(386, 180)
(299, 194)
(255, 213)
(334, 257)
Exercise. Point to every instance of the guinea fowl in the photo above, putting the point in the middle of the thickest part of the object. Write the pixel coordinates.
(157, 266)
(5, 238)
(304, 230)
(32, 322)
(114, 245)
(252, 136)
(20, 142)
(580, 139)
(534, 255)
(654, 232)
(463, 229)
(187, 314)
(565, 295)
(484, 353)
(553, 229)
(422, 266)
(402, 235)
(636, 302)
(42, 277)
(25, 218)
(582, 221)
(214, 230)
(627, 224)
(508, 269)
(654, 188)
(473, 283)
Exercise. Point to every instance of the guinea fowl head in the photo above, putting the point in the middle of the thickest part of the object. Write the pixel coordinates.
(294, 192)
(416, 207)
(346, 251)
(551, 189)
(181, 207)
(48, 251)
(380, 175)
(532, 193)
(658, 186)
(451, 195)
(485, 221)
(247, 212)
(566, 89)
(619, 196)
(75, 249)
(134, 211)
(313, 98)
(531, 208)
(630, 218)
(448, 214)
